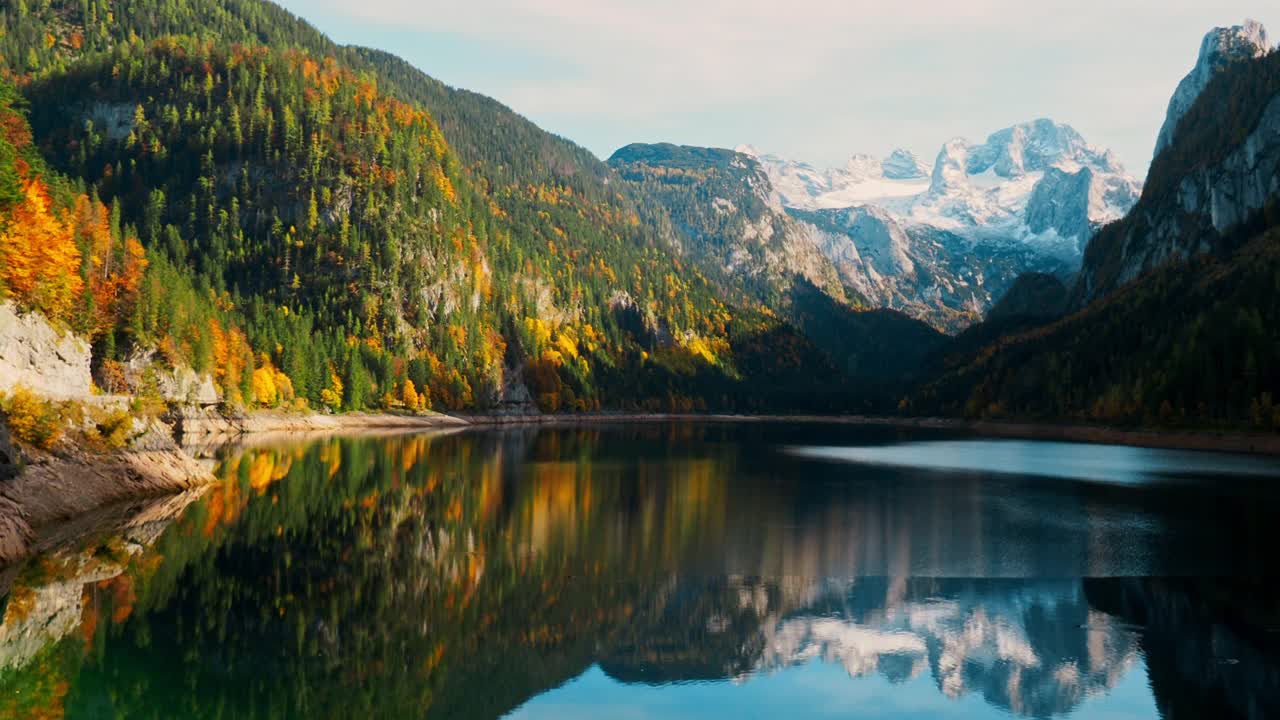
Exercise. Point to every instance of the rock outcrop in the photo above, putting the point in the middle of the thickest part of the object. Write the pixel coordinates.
(180, 385)
(33, 353)
(1219, 176)
(903, 165)
(727, 217)
(1027, 199)
(1220, 47)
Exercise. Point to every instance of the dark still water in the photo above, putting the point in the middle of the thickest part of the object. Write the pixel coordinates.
(666, 571)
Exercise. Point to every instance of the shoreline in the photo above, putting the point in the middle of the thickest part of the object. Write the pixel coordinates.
(50, 492)
(287, 424)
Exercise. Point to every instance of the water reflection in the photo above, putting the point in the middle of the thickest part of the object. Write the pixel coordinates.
(1068, 461)
(466, 575)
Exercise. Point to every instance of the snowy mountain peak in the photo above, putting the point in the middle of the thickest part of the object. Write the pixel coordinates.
(863, 166)
(950, 170)
(903, 165)
(1219, 48)
(1036, 185)
(1033, 147)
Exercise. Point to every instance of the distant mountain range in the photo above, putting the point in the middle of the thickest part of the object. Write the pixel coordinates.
(1038, 183)
(941, 243)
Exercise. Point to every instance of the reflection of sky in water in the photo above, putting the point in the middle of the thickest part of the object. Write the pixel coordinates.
(1075, 461)
(814, 690)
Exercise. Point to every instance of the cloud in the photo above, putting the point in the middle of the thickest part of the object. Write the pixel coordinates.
(814, 78)
(658, 56)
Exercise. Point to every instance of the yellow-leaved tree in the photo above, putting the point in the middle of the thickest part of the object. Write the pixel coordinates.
(39, 260)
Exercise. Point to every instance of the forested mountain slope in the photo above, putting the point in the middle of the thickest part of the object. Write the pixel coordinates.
(1190, 344)
(311, 191)
(1218, 181)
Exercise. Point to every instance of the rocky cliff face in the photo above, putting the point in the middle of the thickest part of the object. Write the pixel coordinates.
(1220, 47)
(1071, 205)
(942, 242)
(930, 274)
(1208, 203)
(1218, 179)
(180, 385)
(51, 362)
(903, 165)
(727, 218)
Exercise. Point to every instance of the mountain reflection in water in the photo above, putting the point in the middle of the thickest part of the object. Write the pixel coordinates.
(579, 572)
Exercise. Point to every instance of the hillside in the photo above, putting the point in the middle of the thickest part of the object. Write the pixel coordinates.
(725, 221)
(1189, 344)
(312, 190)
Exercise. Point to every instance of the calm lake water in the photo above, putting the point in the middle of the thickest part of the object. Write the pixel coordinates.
(665, 571)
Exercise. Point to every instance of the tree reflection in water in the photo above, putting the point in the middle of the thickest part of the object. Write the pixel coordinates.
(461, 575)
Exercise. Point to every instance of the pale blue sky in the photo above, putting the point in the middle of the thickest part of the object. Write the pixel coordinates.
(816, 80)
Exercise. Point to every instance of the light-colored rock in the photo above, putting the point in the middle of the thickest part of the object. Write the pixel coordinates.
(903, 165)
(1220, 47)
(49, 361)
(180, 385)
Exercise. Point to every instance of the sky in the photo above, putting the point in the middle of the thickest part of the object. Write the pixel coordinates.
(812, 80)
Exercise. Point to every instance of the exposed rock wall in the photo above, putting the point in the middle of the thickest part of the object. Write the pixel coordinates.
(180, 385)
(1208, 203)
(33, 353)
(1219, 48)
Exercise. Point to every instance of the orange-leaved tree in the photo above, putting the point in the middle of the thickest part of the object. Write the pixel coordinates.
(39, 260)
(115, 269)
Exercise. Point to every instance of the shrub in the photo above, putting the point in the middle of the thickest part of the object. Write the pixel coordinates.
(111, 428)
(32, 419)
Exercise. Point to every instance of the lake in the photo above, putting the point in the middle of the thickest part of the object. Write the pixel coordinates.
(665, 570)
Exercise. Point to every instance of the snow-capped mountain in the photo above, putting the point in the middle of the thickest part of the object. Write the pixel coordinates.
(970, 636)
(727, 214)
(903, 165)
(1220, 47)
(1038, 183)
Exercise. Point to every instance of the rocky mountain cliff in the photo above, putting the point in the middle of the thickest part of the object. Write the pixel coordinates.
(40, 357)
(839, 284)
(943, 242)
(1172, 319)
(1218, 182)
(1220, 47)
(725, 217)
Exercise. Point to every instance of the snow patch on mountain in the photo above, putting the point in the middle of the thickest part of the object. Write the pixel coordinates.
(1038, 183)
